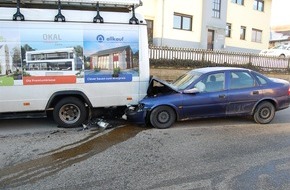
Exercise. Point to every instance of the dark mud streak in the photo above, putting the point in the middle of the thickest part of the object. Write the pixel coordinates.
(91, 135)
(34, 170)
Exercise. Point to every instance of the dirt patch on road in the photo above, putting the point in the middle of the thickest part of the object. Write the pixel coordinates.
(35, 157)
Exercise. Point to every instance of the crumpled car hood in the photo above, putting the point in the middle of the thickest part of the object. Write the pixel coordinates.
(158, 87)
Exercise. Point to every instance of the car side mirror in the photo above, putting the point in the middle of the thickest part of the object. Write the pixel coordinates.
(191, 91)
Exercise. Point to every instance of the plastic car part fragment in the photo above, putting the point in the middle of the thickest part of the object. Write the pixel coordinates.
(96, 122)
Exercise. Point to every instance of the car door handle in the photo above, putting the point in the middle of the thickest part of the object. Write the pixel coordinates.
(255, 92)
(222, 96)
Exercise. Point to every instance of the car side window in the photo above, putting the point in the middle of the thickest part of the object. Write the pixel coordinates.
(241, 79)
(215, 82)
(200, 86)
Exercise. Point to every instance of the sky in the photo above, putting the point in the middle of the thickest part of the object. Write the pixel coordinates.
(280, 12)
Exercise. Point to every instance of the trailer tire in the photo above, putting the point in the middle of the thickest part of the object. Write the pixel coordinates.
(70, 112)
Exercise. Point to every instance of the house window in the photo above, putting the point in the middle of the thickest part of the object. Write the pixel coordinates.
(243, 33)
(115, 60)
(258, 5)
(239, 2)
(182, 21)
(216, 8)
(103, 62)
(150, 31)
(256, 35)
(228, 30)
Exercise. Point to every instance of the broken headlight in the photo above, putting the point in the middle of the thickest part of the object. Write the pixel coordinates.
(136, 108)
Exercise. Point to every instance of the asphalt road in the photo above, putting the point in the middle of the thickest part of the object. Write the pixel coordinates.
(231, 153)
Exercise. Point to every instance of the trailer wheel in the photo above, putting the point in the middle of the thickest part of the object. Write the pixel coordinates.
(70, 112)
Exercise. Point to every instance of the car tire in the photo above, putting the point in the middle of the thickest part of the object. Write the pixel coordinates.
(264, 113)
(282, 56)
(70, 112)
(162, 117)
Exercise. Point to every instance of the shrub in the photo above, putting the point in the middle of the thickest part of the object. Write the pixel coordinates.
(190, 64)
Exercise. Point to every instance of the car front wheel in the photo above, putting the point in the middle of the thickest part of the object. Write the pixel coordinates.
(264, 113)
(162, 117)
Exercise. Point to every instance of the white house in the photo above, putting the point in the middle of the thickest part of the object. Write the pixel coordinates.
(109, 59)
(231, 25)
(5, 60)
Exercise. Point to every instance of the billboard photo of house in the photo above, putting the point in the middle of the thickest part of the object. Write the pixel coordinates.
(52, 55)
(10, 59)
(112, 56)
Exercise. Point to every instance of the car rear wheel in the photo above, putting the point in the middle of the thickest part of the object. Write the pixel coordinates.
(282, 56)
(264, 113)
(162, 117)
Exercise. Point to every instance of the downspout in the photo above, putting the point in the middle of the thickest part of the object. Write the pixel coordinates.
(162, 27)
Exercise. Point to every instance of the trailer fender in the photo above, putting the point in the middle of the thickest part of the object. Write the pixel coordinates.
(57, 96)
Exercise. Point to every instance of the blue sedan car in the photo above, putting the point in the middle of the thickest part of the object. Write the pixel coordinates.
(212, 92)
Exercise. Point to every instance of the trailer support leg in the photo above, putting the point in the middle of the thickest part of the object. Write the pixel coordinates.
(18, 13)
(98, 18)
(59, 16)
(133, 19)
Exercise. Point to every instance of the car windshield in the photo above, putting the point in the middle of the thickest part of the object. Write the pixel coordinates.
(280, 47)
(185, 80)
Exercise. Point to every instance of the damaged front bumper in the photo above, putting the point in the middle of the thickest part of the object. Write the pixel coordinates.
(136, 114)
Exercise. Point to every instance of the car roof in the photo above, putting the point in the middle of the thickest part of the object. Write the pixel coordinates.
(212, 69)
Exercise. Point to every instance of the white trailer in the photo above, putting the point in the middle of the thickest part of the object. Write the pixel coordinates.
(51, 47)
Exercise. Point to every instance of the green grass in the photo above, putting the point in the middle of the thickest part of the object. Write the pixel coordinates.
(6, 81)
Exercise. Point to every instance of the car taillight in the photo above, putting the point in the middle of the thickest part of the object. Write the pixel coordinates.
(289, 91)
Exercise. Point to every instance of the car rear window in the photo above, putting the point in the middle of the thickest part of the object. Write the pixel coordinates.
(261, 80)
(241, 79)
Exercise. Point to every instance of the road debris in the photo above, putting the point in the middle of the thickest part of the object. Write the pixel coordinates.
(102, 124)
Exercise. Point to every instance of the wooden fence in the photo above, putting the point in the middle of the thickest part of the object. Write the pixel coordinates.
(220, 57)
